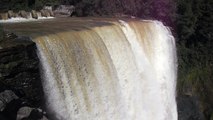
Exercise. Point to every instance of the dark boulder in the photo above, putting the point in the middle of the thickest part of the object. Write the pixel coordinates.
(28, 113)
(11, 109)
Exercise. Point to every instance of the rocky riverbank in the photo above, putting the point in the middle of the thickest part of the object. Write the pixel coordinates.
(47, 11)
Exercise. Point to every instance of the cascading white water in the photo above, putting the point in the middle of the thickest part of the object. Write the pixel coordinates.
(38, 14)
(29, 16)
(110, 70)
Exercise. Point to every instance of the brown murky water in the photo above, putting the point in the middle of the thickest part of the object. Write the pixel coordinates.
(105, 68)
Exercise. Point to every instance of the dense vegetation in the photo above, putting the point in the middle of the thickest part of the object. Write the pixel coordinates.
(195, 43)
(191, 22)
(25, 4)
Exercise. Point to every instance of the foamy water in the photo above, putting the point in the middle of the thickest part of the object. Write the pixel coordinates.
(20, 19)
(109, 70)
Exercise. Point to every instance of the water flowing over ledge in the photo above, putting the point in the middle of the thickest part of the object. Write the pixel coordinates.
(106, 69)
(19, 19)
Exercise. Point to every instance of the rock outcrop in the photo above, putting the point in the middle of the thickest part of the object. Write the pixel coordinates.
(29, 113)
(20, 82)
(19, 68)
(47, 11)
(34, 14)
(11, 14)
(3, 16)
(6, 97)
(63, 10)
(14, 108)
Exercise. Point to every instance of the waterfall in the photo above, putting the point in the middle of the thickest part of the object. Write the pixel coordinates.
(29, 16)
(39, 14)
(109, 70)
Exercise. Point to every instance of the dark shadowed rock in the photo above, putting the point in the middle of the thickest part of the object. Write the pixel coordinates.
(28, 113)
(10, 111)
(188, 108)
(20, 82)
(19, 69)
(6, 97)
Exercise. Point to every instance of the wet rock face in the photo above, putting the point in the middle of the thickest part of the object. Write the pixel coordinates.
(6, 97)
(20, 82)
(14, 108)
(19, 69)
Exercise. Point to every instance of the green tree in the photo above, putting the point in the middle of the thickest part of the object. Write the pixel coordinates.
(195, 41)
